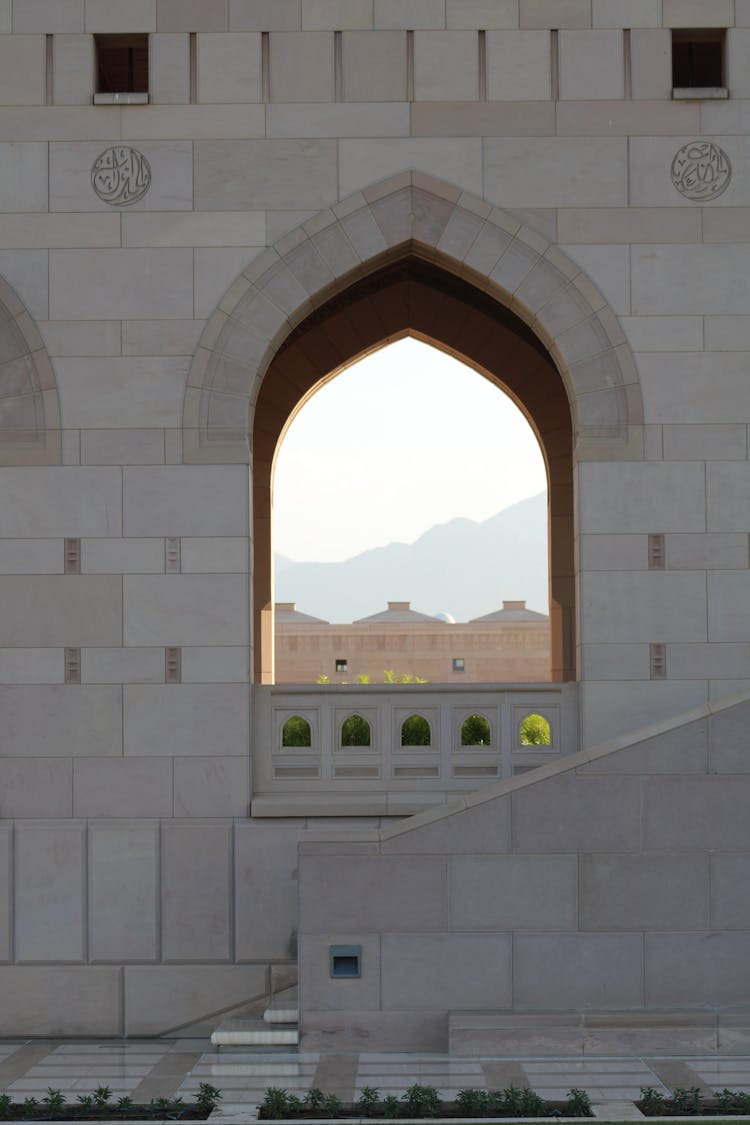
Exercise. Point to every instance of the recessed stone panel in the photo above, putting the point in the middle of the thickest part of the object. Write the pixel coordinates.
(36, 787)
(196, 927)
(472, 970)
(266, 889)
(578, 970)
(59, 720)
(186, 719)
(60, 1000)
(123, 891)
(49, 900)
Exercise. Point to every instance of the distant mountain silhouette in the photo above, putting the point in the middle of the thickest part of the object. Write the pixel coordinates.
(461, 567)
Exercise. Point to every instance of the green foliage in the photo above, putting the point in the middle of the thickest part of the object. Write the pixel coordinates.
(296, 732)
(86, 1101)
(579, 1103)
(652, 1101)
(332, 1105)
(323, 679)
(535, 731)
(160, 1105)
(314, 1099)
(686, 1099)
(124, 1102)
(531, 1104)
(511, 1101)
(102, 1095)
(30, 1106)
(368, 1101)
(207, 1098)
(476, 731)
(474, 1103)
(421, 1101)
(355, 731)
(5, 1104)
(54, 1101)
(391, 1106)
(415, 731)
(363, 678)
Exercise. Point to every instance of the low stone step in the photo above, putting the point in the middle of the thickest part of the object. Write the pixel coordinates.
(254, 1033)
(284, 1008)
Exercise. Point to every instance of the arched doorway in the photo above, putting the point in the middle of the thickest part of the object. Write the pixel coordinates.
(414, 256)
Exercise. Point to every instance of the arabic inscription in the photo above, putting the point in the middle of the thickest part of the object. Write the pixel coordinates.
(121, 175)
(701, 171)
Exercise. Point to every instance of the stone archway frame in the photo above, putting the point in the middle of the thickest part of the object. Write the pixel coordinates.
(29, 404)
(413, 214)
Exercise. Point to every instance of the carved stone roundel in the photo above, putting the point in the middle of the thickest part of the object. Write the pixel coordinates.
(701, 171)
(121, 175)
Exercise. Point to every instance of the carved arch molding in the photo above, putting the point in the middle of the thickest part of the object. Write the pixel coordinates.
(413, 255)
(29, 405)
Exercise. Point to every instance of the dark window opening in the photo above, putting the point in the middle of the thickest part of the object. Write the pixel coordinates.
(121, 64)
(342, 665)
(698, 59)
(459, 664)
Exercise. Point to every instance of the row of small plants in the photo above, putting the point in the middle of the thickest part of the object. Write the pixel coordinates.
(423, 1101)
(54, 1106)
(687, 1101)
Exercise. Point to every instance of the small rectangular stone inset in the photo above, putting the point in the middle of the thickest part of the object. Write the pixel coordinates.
(72, 556)
(72, 665)
(172, 553)
(656, 552)
(658, 661)
(173, 665)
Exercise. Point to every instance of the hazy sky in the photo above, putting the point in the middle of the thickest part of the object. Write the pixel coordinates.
(404, 439)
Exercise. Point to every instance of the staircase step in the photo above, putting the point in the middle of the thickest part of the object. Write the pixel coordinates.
(254, 1033)
(284, 1007)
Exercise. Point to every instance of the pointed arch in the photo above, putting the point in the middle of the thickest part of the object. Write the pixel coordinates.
(29, 404)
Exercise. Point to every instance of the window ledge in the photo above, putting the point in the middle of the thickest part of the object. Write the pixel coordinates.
(121, 99)
(699, 93)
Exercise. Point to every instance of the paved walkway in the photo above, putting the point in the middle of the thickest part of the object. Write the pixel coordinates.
(167, 1068)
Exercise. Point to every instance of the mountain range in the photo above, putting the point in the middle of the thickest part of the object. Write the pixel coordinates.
(462, 568)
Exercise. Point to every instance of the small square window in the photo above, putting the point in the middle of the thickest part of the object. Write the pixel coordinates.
(342, 665)
(697, 60)
(121, 68)
(459, 664)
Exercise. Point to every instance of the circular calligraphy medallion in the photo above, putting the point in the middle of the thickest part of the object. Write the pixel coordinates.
(121, 175)
(701, 171)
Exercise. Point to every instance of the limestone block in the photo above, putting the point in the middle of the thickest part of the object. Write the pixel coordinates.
(78, 337)
(602, 814)
(626, 13)
(171, 186)
(484, 15)
(40, 15)
(160, 337)
(61, 720)
(644, 606)
(211, 665)
(192, 15)
(709, 661)
(265, 864)
(24, 123)
(136, 787)
(682, 750)
(60, 1000)
(139, 283)
(591, 65)
(123, 891)
(264, 15)
(169, 69)
(513, 892)
(728, 493)
(641, 497)
(491, 119)
(409, 13)
(28, 273)
(122, 666)
(707, 552)
(730, 904)
(216, 268)
(192, 122)
(59, 610)
(212, 787)
(614, 552)
(6, 890)
(159, 998)
(730, 224)
(577, 971)
(214, 555)
(609, 269)
(34, 787)
(22, 62)
(728, 608)
(122, 447)
(185, 609)
(228, 67)
(31, 556)
(301, 66)
(31, 666)
(49, 899)
(321, 993)
(555, 13)
(651, 183)
(703, 442)
(191, 500)
(483, 828)
(696, 13)
(186, 719)
(208, 228)
(362, 162)
(615, 662)
(335, 15)
(610, 709)
(462, 969)
(136, 15)
(122, 391)
(556, 171)
(5, 16)
(663, 333)
(518, 65)
(73, 69)
(446, 66)
(374, 66)
(370, 892)
(727, 333)
(650, 62)
(649, 892)
(742, 13)
(707, 969)
(122, 556)
(694, 813)
(694, 387)
(196, 927)
(255, 174)
(343, 119)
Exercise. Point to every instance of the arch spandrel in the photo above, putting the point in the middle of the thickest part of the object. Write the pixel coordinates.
(29, 405)
(412, 216)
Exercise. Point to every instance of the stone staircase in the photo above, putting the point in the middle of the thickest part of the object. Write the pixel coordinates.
(278, 1026)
